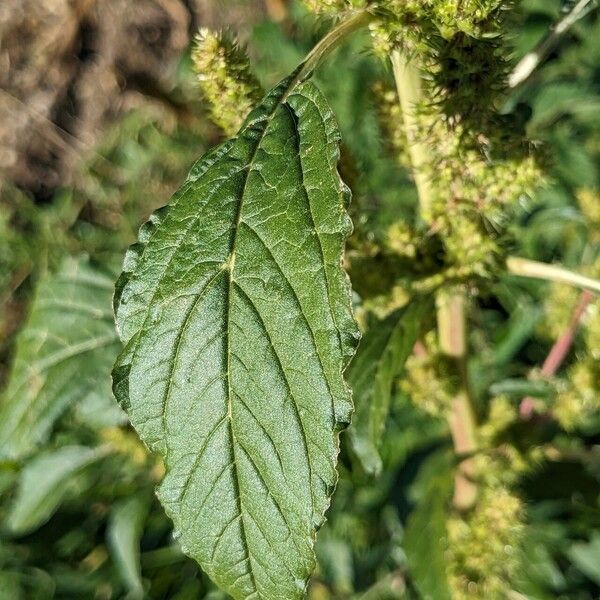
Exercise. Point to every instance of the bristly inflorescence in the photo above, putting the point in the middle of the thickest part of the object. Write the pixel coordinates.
(478, 175)
(225, 78)
(483, 547)
(429, 381)
(422, 25)
(479, 165)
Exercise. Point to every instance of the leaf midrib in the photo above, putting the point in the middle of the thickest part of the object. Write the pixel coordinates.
(230, 284)
(229, 266)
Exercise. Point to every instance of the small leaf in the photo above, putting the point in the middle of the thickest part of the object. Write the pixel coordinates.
(125, 528)
(586, 557)
(98, 412)
(43, 484)
(10, 585)
(63, 354)
(236, 319)
(27, 583)
(379, 361)
(335, 563)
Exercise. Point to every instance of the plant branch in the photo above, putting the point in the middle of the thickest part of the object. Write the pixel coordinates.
(331, 41)
(532, 60)
(408, 84)
(450, 304)
(451, 316)
(538, 270)
(559, 350)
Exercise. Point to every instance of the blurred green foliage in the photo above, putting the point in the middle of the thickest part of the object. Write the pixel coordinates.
(78, 516)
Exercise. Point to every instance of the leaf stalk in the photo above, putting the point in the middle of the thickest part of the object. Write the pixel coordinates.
(539, 270)
(331, 41)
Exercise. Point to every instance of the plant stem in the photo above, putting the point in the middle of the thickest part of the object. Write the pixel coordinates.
(538, 270)
(529, 63)
(451, 321)
(408, 84)
(331, 41)
(451, 304)
(559, 350)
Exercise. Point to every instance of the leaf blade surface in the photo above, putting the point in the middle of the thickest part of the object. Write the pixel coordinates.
(235, 314)
(63, 354)
(379, 361)
(43, 484)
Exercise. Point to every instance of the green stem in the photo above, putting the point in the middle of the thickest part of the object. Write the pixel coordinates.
(451, 304)
(538, 270)
(532, 60)
(408, 84)
(331, 41)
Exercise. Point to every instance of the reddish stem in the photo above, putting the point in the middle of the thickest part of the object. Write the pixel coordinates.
(562, 346)
(419, 350)
(559, 350)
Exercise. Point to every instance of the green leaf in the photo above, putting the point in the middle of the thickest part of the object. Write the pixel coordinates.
(125, 528)
(425, 543)
(335, 563)
(43, 484)
(28, 583)
(379, 361)
(586, 557)
(63, 354)
(236, 318)
(10, 586)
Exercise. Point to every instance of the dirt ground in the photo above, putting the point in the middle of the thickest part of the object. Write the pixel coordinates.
(68, 68)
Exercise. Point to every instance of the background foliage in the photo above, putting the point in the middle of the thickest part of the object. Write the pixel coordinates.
(78, 514)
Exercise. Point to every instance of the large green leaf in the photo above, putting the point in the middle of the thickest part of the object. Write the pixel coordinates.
(64, 353)
(379, 361)
(236, 318)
